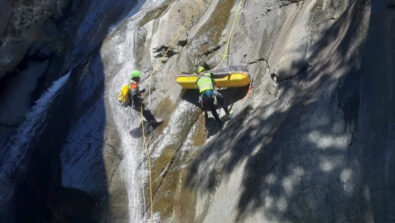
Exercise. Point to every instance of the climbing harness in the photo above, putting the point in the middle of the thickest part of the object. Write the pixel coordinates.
(225, 55)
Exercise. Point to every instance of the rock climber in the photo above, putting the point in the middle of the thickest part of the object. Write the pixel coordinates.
(209, 98)
(137, 100)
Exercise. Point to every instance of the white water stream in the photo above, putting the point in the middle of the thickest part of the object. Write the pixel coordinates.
(134, 169)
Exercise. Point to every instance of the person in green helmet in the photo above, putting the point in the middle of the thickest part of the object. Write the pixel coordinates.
(137, 100)
(208, 98)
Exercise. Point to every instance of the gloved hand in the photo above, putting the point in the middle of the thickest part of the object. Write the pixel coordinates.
(142, 90)
(200, 101)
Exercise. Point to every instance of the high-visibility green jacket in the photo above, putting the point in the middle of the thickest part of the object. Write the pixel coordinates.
(205, 82)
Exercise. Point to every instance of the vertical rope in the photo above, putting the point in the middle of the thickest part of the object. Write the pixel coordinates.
(177, 36)
(157, 65)
(142, 183)
(155, 68)
(225, 56)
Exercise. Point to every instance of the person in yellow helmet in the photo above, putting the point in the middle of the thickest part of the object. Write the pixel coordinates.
(208, 98)
(137, 100)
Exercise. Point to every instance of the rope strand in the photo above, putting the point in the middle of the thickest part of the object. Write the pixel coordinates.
(225, 55)
(157, 65)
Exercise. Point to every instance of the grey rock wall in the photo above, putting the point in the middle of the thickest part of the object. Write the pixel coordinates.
(289, 159)
(310, 142)
(5, 11)
(23, 24)
(375, 132)
(285, 157)
(390, 2)
(41, 42)
(289, 154)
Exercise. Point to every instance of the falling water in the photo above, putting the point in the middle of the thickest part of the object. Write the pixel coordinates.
(127, 119)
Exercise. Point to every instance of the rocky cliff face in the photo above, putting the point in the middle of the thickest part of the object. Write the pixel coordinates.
(27, 23)
(309, 142)
(32, 39)
(44, 47)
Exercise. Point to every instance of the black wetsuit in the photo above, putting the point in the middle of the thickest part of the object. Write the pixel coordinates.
(209, 105)
(138, 104)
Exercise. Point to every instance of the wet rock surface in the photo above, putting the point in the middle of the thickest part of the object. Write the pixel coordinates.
(311, 141)
(39, 45)
(292, 152)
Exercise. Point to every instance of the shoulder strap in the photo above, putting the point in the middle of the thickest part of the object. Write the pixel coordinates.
(198, 78)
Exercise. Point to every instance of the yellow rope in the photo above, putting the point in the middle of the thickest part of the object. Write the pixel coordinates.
(153, 71)
(231, 31)
(141, 108)
(156, 67)
(149, 163)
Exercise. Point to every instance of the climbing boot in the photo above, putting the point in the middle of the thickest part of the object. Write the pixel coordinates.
(229, 116)
(157, 122)
(220, 123)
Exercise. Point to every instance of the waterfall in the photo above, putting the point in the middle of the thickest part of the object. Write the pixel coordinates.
(126, 119)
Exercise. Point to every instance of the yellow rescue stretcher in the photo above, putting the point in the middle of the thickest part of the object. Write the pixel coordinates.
(234, 76)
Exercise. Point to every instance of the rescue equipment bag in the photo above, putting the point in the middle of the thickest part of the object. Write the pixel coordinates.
(123, 96)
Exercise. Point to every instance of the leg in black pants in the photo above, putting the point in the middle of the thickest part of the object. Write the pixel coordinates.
(220, 101)
(208, 104)
(138, 104)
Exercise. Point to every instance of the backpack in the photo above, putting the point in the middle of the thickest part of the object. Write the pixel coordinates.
(123, 96)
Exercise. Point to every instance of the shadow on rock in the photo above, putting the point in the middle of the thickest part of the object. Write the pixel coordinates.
(148, 129)
(212, 126)
(233, 95)
(61, 174)
(299, 157)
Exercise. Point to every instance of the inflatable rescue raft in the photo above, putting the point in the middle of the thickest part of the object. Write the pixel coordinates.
(233, 76)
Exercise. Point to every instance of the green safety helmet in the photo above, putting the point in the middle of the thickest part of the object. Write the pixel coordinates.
(135, 73)
(200, 69)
